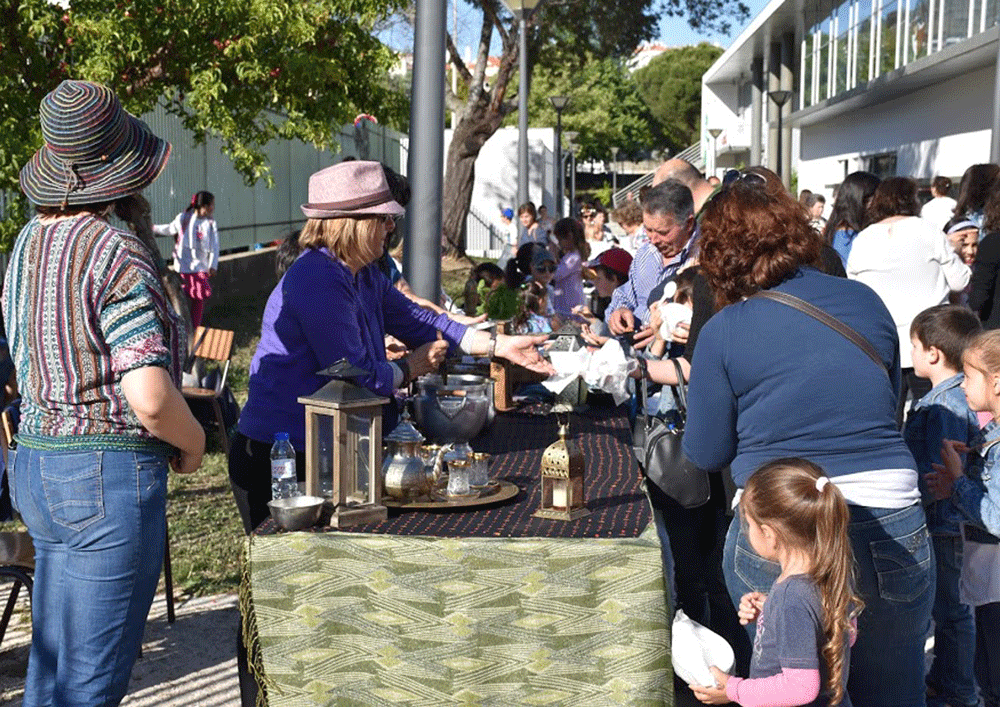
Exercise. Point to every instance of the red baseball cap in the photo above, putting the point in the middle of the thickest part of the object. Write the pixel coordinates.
(617, 259)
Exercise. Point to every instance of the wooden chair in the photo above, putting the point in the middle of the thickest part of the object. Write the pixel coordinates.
(213, 345)
(17, 553)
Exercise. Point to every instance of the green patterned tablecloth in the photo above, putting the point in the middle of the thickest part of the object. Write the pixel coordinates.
(354, 619)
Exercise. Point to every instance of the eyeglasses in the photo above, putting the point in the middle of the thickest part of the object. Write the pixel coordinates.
(392, 219)
(751, 178)
(545, 268)
(731, 177)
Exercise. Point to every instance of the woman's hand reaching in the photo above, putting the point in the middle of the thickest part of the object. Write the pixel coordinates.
(427, 358)
(521, 350)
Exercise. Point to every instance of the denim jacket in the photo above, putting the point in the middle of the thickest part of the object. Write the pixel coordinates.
(977, 494)
(941, 414)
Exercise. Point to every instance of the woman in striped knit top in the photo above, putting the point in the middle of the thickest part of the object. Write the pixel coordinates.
(97, 351)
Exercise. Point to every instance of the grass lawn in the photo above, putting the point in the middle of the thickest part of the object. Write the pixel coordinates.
(205, 529)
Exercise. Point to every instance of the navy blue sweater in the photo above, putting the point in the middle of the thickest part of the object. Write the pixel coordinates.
(768, 381)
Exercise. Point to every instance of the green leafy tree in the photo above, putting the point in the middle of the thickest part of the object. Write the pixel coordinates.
(605, 108)
(561, 34)
(244, 71)
(671, 87)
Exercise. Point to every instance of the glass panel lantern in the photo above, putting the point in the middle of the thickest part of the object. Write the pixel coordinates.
(562, 488)
(344, 451)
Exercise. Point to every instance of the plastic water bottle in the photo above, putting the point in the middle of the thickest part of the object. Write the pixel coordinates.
(284, 483)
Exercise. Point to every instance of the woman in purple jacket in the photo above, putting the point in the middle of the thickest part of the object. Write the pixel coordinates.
(334, 303)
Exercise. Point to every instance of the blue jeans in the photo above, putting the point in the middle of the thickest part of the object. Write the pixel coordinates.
(951, 674)
(988, 653)
(98, 522)
(895, 576)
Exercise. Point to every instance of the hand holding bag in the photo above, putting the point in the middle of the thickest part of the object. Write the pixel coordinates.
(657, 444)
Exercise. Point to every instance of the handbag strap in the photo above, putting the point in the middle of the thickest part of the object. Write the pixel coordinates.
(681, 386)
(681, 393)
(831, 321)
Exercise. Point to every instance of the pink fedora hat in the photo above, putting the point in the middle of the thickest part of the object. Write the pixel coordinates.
(350, 189)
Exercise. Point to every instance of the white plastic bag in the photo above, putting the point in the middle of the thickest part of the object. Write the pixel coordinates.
(693, 648)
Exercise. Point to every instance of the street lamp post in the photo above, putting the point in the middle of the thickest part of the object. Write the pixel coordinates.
(614, 174)
(522, 10)
(571, 136)
(715, 133)
(780, 98)
(559, 103)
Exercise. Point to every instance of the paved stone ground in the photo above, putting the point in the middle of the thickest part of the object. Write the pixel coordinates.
(191, 663)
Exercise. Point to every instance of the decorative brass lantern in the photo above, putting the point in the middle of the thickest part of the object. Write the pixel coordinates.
(344, 447)
(562, 493)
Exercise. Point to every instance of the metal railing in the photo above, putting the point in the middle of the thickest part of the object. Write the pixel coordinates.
(483, 239)
(690, 154)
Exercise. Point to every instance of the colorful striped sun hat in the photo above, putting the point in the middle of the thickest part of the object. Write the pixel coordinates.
(94, 149)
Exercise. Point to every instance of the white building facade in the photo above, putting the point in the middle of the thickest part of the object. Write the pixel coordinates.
(893, 87)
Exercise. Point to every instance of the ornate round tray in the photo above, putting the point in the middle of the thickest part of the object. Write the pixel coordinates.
(496, 492)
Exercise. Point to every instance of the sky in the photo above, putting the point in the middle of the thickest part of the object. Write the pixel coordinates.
(673, 31)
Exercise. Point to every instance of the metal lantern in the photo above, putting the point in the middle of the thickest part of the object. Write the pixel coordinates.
(562, 493)
(344, 448)
(568, 338)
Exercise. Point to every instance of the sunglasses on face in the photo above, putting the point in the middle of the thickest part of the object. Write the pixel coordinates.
(545, 268)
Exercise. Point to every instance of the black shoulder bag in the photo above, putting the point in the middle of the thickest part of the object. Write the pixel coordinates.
(657, 443)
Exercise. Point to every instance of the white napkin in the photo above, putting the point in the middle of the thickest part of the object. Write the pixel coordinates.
(609, 369)
(673, 314)
(693, 648)
(569, 365)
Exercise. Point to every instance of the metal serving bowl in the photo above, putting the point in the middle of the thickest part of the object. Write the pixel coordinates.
(455, 411)
(297, 512)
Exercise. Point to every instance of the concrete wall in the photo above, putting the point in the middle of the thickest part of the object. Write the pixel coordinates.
(941, 129)
(496, 171)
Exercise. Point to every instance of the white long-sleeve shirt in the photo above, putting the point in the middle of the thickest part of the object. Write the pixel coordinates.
(911, 267)
(196, 242)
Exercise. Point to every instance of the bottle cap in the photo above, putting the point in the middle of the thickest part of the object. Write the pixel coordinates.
(280, 436)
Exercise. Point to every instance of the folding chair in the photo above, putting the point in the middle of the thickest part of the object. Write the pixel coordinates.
(213, 345)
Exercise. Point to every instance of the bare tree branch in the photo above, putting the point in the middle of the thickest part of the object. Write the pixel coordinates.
(490, 12)
(456, 60)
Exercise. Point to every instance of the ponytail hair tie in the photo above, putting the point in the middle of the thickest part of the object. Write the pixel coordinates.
(194, 200)
(821, 482)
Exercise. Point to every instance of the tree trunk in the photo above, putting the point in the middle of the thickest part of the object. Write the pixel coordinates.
(473, 130)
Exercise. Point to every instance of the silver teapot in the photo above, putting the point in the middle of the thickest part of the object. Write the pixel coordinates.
(405, 476)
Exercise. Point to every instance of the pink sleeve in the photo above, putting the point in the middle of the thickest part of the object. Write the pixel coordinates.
(789, 688)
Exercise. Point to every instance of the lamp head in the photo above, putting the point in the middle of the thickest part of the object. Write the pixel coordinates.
(780, 97)
(559, 102)
(522, 7)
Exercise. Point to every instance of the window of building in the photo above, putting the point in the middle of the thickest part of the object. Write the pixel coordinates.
(882, 166)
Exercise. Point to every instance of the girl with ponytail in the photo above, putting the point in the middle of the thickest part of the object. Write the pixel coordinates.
(794, 517)
(196, 250)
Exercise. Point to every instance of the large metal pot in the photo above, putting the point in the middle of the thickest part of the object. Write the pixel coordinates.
(454, 412)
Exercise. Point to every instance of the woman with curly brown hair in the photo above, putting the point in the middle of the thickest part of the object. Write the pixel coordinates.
(769, 381)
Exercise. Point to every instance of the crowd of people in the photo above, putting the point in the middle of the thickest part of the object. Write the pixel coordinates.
(886, 416)
(843, 396)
